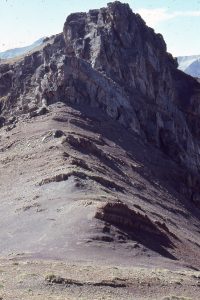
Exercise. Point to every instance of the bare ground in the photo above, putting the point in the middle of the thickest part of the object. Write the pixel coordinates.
(77, 187)
(21, 279)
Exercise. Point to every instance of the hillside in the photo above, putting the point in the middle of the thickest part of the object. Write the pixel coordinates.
(100, 160)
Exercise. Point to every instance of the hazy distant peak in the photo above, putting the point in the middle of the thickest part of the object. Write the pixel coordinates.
(190, 65)
(21, 50)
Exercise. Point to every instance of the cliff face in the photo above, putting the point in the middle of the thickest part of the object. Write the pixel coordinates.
(159, 102)
(110, 59)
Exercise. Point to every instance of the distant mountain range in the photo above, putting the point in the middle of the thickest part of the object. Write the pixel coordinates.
(190, 65)
(20, 51)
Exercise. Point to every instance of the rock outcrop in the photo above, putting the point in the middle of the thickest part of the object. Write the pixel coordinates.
(109, 58)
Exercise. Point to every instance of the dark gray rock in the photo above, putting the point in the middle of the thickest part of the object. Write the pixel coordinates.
(41, 111)
(58, 133)
(2, 121)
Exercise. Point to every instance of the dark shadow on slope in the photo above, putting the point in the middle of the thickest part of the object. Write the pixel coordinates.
(138, 227)
(157, 167)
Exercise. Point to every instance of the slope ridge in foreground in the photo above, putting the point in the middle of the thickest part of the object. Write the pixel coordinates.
(99, 143)
(76, 185)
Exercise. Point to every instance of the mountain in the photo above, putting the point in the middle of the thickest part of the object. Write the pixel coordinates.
(194, 69)
(20, 51)
(190, 65)
(99, 169)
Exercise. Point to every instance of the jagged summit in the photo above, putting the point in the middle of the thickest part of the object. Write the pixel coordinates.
(116, 26)
(113, 40)
(101, 131)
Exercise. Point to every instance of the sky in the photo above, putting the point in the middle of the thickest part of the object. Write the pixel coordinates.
(24, 21)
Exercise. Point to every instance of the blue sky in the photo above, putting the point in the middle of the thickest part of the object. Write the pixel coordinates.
(24, 21)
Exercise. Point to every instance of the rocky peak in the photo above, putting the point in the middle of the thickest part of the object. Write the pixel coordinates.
(114, 40)
(108, 58)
